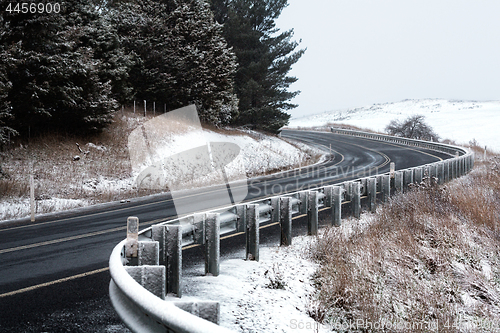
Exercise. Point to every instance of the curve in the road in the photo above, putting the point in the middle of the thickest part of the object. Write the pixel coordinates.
(42, 253)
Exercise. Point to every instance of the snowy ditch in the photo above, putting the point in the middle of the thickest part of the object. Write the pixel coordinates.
(271, 295)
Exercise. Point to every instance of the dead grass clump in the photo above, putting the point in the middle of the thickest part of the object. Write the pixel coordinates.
(477, 196)
(11, 187)
(50, 159)
(430, 257)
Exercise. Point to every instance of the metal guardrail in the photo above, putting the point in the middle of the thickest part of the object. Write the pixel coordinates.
(448, 149)
(146, 268)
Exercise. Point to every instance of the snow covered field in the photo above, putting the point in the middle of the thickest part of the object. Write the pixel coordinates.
(460, 121)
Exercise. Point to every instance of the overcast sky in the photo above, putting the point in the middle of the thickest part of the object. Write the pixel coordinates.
(361, 52)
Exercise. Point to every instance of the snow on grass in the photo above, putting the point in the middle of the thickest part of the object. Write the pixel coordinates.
(272, 295)
(259, 154)
(428, 258)
(426, 261)
(460, 121)
(14, 208)
(105, 172)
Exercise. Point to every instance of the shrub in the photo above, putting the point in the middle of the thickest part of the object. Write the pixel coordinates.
(413, 127)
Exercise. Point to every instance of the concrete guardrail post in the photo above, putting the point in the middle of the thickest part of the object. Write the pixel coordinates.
(446, 171)
(337, 205)
(169, 238)
(386, 187)
(379, 183)
(356, 199)
(152, 278)
(418, 175)
(392, 167)
(440, 173)
(363, 189)
(347, 190)
(398, 181)
(407, 179)
(372, 194)
(456, 168)
(131, 247)
(173, 239)
(328, 196)
(275, 214)
(304, 201)
(427, 173)
(459, 167)
(199, 228)
(208, 310)
(454, 171)
(212, 244)
(149, 253)
(433, 173)
(252, 232)
(312, 214)
(286, 221)
(241, 224)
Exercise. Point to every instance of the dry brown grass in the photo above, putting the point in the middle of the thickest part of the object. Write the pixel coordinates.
(102, 174)
(50, 159)
(429, 257)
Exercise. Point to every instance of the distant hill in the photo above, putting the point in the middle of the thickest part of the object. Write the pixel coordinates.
(460, 121)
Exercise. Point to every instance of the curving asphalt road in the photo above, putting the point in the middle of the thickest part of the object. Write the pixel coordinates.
(48, 265)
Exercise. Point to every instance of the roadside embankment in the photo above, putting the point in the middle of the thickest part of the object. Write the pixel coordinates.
(71, 172)
(426, 261)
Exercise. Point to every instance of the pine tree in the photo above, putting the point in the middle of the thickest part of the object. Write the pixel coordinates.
(5, 107)
(180, 56)
(115, 64)
(55, 76)
(265, 58)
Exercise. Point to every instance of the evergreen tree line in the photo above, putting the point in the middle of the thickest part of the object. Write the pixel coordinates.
(70, 71)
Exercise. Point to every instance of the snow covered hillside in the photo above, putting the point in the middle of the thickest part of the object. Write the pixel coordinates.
(104, 171)
(460, 121)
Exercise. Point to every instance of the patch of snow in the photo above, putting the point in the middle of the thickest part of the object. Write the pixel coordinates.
(486, 269)
(461, 121)
(100, 148)
(258, 154)
(469, 302)
(113, 185)
(20, 207)
(248, 304)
